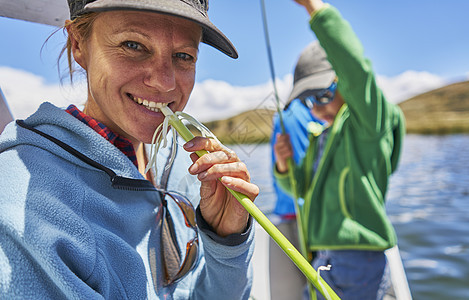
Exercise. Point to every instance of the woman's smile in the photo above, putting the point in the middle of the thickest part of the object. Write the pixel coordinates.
(148, 104)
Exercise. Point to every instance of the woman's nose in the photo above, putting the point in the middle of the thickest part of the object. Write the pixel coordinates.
(160, 74)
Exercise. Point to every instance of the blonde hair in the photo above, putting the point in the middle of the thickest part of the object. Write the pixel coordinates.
(81, 27)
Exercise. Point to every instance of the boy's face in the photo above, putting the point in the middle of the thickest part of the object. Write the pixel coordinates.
(327, 112)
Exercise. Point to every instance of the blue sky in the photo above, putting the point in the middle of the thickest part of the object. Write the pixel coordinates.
(415, 46)
(421, 35)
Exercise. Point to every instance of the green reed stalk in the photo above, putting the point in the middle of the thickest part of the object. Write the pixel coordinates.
(254, 211)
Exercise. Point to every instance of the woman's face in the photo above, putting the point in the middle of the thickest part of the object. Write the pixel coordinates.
(137, 57)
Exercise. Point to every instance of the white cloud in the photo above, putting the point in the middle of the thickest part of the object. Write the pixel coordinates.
(24, 92)
(213, 100)
(210, 100)
(409, 84)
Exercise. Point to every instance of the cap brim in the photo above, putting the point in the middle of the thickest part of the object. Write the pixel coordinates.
(320, 80)
(211, 35)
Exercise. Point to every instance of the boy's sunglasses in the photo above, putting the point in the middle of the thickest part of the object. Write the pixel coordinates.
(320, 96)
(173, 268)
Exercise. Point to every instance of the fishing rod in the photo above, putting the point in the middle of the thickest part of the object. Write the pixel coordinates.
(300, 225)
(271, 65)
(282, 125)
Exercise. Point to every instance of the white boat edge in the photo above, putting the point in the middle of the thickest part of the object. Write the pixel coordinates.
(398, 276)
(5, 113)
(261, 283)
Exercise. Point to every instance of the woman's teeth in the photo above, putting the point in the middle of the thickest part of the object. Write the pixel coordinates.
(153, 106)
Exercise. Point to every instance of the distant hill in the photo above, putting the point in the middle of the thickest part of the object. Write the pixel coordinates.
(441, 111)
(250, 127)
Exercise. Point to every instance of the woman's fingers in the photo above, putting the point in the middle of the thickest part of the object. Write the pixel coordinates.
(203, 143)
(215, 171)
(218, 162)
(219, 169)
(249, 189)
(212, 158)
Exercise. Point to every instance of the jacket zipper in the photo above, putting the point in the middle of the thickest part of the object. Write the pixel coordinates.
(118, 182)
(332, 137)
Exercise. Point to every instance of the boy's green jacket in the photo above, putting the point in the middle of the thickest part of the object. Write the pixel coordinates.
(344, 205)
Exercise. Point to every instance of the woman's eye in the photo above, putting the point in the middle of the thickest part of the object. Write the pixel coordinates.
(132, 45)
(184, 56)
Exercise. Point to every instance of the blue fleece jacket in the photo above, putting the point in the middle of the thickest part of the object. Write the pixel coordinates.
(67, 233)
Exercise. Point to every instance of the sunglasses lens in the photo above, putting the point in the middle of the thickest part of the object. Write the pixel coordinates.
(186, 207)
(173, 268)
(321, 96)
(192, 251)
(308, 102)
(325, 99)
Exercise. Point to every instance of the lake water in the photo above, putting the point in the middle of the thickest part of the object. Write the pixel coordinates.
(428, 203)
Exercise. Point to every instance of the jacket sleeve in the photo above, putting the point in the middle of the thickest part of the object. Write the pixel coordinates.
(370, 112)
(296, 121)
(224, 269)
(282, 180)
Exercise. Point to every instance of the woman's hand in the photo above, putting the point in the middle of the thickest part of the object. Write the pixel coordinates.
(282, 151)
(218, 206)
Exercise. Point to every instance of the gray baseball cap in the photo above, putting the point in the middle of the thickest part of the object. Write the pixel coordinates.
(194, 10)
(312, 71)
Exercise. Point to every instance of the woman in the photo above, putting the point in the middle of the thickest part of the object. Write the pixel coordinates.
(77, 218)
